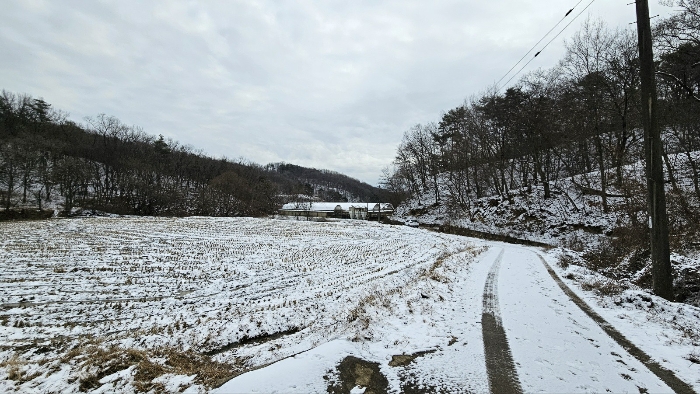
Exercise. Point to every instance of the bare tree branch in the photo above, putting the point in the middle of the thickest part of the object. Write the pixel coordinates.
(680, 83)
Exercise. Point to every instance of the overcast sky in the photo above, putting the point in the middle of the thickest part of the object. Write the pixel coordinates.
(323, 83)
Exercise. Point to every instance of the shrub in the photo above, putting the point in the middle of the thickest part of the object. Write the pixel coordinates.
(694, 357)
(608, 255)
(604, 287)
(565, 260)
(574, 242)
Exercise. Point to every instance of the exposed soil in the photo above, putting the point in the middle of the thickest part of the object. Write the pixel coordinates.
(255, 340)
(402, 360)
(353, 372)
(410, 387)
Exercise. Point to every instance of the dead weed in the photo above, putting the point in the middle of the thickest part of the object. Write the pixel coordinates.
(603, 287)
(694, 357)
(100, 362)
(15, 370)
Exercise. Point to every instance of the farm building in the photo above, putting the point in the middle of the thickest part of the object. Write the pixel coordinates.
(346, 210)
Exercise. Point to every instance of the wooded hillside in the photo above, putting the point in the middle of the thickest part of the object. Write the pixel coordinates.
(109, 166)
(578, 118)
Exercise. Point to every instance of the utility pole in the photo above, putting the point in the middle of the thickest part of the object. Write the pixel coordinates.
(656, 194)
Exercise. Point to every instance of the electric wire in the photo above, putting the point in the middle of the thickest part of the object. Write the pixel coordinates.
(538, 42)
(544, 47)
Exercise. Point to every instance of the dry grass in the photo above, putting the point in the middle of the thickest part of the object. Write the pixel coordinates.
(565, 260)
(385, 299)
(694, 357)
(100, 362)
(432, 272)
(13, 366)
(603, 287)
(209, 372)
(16, 370)
(442, 277)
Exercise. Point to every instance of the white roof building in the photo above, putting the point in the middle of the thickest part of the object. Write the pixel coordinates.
(353, 210)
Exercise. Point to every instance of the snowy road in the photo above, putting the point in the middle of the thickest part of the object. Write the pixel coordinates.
(503, 376)
(555, 346)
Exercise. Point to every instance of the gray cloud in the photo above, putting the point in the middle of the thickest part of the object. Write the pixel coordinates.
(329, 84)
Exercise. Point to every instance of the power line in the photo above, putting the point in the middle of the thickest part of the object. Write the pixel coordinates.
(544, 47)
(537, 43)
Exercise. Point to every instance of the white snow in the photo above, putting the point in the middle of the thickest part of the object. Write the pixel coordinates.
(556, 346)
(302, 373)
(328, 290)
(667, 331)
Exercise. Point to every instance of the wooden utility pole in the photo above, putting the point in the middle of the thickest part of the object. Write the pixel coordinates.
(656, 194)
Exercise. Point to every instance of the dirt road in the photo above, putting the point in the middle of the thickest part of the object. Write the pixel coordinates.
(559, 347)
(503, 376)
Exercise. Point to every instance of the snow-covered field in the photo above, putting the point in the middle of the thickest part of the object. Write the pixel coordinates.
(263, 305)
(72, 288)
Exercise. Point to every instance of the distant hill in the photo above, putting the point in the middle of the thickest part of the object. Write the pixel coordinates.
(106, 165)
(328, 185)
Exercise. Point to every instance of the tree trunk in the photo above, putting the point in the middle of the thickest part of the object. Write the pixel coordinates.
(477, 185)
(696, 173)
(603, 176)
(25, 186)
(10, 186)
(674, 185)
(658, 220)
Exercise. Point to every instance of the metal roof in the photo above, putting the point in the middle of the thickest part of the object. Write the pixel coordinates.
(332, 206)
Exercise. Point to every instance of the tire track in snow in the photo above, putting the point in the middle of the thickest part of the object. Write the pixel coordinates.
(667, 376)
(503, 377)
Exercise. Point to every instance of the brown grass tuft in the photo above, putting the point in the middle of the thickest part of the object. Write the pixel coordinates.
(603, 287)
(100, 362)
(15, 371)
